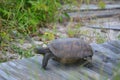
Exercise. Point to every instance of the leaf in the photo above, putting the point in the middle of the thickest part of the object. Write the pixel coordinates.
(66, 15)
(101, 5)
(49, 35)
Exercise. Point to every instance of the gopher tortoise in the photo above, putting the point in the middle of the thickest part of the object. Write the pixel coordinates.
(68, 50)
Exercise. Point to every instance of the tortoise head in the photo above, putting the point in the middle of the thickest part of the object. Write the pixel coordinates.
(41, 50)
(88, 56)
(38, 50)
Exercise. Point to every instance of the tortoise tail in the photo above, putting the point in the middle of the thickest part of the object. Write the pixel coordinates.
(41, 50)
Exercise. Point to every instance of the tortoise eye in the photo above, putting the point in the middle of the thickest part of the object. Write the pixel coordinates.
(90, 56)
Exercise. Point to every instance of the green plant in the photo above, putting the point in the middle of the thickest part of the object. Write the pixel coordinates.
(99, 37)
(22, 52)
(116, 75)
(118, 36)
(73, 31)
(48, 36)
(101, 4)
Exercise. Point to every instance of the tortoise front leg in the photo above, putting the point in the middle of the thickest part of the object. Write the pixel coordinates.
(45, 60)
(89, 62)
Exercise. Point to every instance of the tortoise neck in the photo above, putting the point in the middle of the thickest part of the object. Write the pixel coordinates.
(47, 50)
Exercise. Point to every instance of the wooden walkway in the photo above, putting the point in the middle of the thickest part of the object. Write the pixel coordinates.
(105, 61)
(107, 27)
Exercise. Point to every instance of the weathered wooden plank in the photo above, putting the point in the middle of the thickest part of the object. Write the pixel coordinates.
(109, 27)
(50, 73)
(94, 14)
(5, 75)
(112, 48)
(24, 72)
(66, 72)
(91, 7)
(2, 78)
(115, 43)
(30, 68)
(92, 74)
(100, 50)
(10, 71)
(106, 68)
(33, 71)
(63, 73)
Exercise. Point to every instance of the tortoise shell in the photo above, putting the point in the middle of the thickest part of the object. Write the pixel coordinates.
(69, 50)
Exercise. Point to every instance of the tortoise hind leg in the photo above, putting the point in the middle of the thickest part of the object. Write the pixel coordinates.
(45, 60)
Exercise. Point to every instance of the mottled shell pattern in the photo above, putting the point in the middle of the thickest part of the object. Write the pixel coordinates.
(70, 48)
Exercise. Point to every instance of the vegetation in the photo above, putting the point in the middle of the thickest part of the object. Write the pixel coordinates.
(23, 17)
